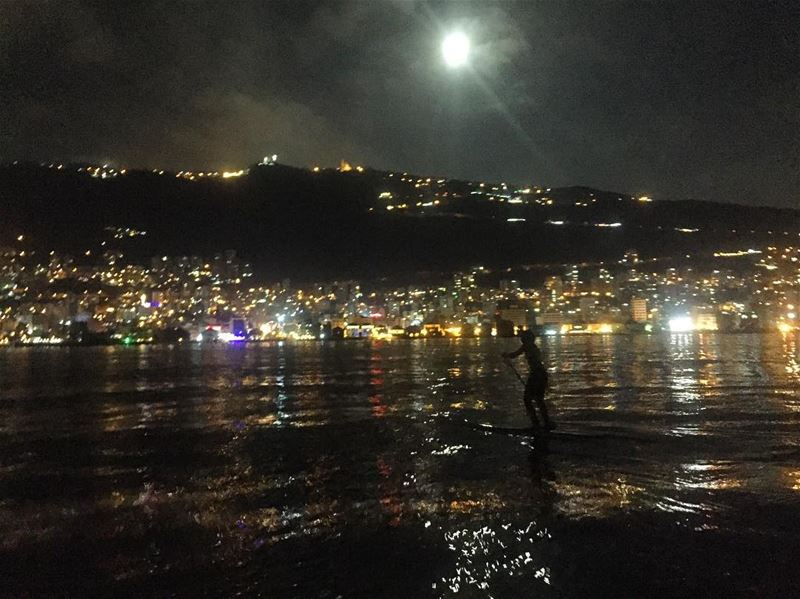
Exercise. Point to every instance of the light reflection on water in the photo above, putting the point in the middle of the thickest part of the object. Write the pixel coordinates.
(347, 469)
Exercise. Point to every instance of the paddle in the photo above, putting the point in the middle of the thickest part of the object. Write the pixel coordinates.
(516, 372)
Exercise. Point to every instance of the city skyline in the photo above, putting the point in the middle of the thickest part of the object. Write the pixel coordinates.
(54, 299)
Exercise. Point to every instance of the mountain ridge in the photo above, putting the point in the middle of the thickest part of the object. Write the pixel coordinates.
(297, 222)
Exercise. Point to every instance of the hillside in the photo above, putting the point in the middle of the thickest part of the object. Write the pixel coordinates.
(294, 222)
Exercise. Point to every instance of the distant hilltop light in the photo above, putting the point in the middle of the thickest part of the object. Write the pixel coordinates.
(270, 160)
(346, 167)
(645, 199)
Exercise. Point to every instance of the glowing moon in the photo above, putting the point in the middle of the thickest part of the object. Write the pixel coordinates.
(455, 49)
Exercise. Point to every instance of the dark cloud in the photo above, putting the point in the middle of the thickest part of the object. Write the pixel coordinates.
(675, 99)
(232, 128)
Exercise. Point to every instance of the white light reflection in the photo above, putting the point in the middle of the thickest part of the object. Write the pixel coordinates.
(485, 555)
(449, 450)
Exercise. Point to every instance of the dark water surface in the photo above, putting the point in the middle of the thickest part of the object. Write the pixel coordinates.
(326, 470)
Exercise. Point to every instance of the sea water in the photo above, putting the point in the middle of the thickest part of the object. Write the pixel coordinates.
(350, 469)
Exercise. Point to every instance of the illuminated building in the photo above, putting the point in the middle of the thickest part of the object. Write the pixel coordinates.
(639, 309)
(586, 306)
(704, 321)
(551, 318)
(359, 328)
(464, 281)
(555, 287)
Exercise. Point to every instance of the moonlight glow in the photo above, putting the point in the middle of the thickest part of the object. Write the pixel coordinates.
(455, 49)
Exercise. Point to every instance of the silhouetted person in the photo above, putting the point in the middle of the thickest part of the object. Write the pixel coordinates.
(537, 379)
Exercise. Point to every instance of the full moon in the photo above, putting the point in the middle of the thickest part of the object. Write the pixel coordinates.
(455, 49)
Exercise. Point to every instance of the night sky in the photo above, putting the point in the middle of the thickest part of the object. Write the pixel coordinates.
(673, 99)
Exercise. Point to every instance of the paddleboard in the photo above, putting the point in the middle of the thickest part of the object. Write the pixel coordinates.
(554, 434)
(506, 430)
